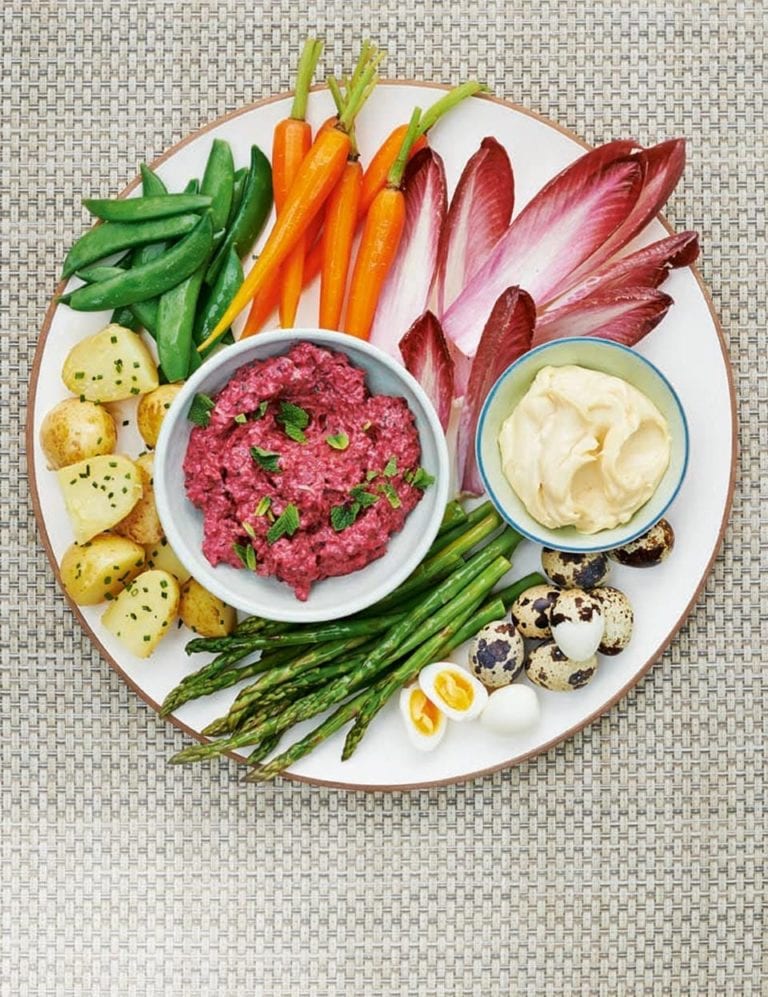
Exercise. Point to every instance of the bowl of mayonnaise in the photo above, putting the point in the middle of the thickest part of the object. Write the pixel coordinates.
(582, 444)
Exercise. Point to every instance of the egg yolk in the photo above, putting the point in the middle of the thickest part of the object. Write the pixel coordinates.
(425, 716)
(455, 690)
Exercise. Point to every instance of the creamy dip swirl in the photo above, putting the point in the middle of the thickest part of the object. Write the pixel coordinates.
(584, 449)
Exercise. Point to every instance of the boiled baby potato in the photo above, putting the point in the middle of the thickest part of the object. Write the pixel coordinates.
(142, 524)
(99, 492)
(162, 555)
(100, 569)
(110, 366)
(74, 430)
(151, 410)
(143, 612)
(204, 612)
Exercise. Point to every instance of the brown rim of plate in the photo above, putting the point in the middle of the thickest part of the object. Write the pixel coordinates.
(517, 760)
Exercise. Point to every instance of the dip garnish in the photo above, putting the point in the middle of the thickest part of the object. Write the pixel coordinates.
(294, 421)
(263, 507)
(390, 468)
(266, 459)
(339, 441)
(419, 478)
(247, 555)
(200, 410)
(286, 524)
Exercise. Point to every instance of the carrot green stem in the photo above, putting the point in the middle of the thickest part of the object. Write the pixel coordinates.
(451, 99)
(338, 99)
(360, 90)
(311, 52)
(395, 175)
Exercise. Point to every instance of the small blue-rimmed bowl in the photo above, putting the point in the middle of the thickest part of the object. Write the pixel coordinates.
(596, 354)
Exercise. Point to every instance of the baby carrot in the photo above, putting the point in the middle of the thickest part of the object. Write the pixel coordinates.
(338, 235)
(379, 242)
(317, 176)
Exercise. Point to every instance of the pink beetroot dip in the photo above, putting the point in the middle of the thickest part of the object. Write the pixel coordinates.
(233, 488)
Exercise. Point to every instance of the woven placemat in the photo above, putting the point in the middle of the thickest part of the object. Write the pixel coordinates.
(627, 861)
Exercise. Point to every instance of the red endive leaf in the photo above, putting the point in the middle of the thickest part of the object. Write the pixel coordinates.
(624, 315)
(663, 165)
(506, 336)
(426, 354)
(477, 218)
(406, 289)
(648, 267)
(560, 228)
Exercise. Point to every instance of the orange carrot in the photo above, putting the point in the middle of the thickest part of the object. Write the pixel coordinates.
(379, 242)
(338, 235)
(316, 179)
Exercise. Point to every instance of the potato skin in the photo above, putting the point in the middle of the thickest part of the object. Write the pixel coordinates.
(162, 555)
(74, 430)
(204, 612)
(100, 569)
(151, 410)
(142, 524)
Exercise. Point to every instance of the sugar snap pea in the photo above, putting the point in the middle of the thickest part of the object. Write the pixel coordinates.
(218, 182)
(144, 312)
(227, 284)
(237, 194)
(255, 205)
(193, 186)
(175, 324)
(141, 283)
(142, 209)
(125, 317)
(111, 237)
(151, 184)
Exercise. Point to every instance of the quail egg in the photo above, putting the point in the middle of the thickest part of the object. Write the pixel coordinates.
(453, 690)
(511, 710)
(551, 669)
(497, 655)
(648, 550)
(581, 571)
(577, 624)
(530, 611)
(423, 721)
(618, 618)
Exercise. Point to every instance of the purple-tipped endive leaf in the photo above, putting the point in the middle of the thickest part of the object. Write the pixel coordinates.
(406, 289)
(623, 315)
(560, 228)
(427, 356)
(505, 338)
(479, 214)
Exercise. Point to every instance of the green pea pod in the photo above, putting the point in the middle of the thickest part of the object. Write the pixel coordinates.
(253, 212)
(144, 209)
(151, 184)
(150, 280)
(144, 312)
(218, 182)
(193, 187)
(111, 237)
(175, 324)
(226, 286)
(125, 318)
(197, 359)
(237, 194)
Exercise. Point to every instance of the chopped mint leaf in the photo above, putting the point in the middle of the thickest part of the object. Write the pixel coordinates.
(241, 418)
(249, 529)
(286, 524)
(263, 507)
(339, 441)
(293, 415)
(250, 558)
(261, 411)
(390, 494)
(390, 468)
(343, 516)
(200, 410)
(242, 552)
(370, 475)
(366, 499)
(420, 478)
(266, 459)
(294, 433)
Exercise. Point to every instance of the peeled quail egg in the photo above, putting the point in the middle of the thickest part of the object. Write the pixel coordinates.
(453, 690)
(618, 617)
(497, 654)
(577, 624)
(648, 550)
(511, 710)
(551, 669)
(423, 721)
(581, 571)
(530, 611)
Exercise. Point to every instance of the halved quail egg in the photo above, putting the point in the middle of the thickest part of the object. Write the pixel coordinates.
(424, 722)
(619, 619)
(582, 571)
(551, 669)
(648, 550)
(497, 654)
(511, 710)
(530, 611)
(453, 690)
(577, 624)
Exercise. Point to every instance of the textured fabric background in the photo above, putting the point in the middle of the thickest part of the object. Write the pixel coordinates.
(629, 860)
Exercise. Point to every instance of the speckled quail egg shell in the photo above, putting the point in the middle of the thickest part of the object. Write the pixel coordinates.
(574, 570)
(648, 550)
(577, 624)
(497, 654)
(453, 690)
(511, 710)
(424, 722)
(530, 611)
(619, 619)
(551, 669)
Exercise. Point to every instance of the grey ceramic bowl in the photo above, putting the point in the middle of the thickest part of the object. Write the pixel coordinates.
(610, 358)
(333, 597)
